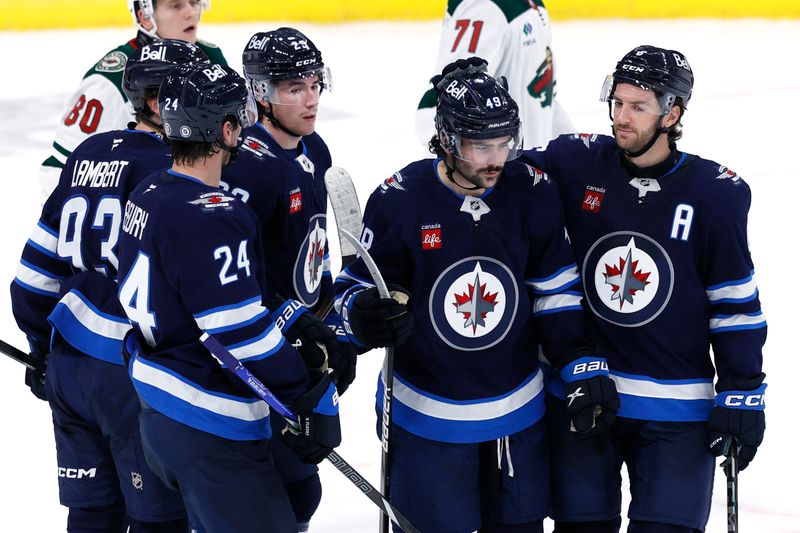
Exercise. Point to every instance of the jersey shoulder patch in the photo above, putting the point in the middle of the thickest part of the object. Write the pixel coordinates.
(213, 201)
(257, 147)
(585, 138)
(395, 181)
(537, 176)
(113, 61)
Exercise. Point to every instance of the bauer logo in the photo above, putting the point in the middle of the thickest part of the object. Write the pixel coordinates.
(432, 237)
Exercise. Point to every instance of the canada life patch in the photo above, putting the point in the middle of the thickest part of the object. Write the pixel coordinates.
(295, 201)
(432, 237)
(593, 199)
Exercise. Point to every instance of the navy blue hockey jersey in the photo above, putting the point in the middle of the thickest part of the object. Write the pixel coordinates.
(286, 189)
(667, 273)
(490, 278)
(189, 264)
(69, 265)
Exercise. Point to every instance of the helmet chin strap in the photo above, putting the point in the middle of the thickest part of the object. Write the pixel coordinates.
(659, 131)
(449, 172)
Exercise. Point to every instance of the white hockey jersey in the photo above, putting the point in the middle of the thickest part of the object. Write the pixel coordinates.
(514, 37)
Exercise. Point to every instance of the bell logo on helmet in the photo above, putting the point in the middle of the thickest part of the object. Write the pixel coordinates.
(256, 43)
(154, 53)
(456, 89)
(681, 62)
(214, 73)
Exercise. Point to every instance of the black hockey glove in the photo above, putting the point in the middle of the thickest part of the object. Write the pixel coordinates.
(308, 334)
(344, 370)
(591, 395)
(318, 417)
(470, 65)
(376, 322)
(738, 420)
(35, 378)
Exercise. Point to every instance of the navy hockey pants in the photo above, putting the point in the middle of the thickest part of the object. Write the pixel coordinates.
(99, 451)
(670, 469)
(227, 485)
(460, 488)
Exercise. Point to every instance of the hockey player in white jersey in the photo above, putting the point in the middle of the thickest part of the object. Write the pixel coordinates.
(514, 37)
(99, 104)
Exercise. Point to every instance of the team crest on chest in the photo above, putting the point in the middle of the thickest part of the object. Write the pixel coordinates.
(629, 278)
(473, 303)
(310, 262)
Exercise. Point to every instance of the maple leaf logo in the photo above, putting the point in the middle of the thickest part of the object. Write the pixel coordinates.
(474, 305)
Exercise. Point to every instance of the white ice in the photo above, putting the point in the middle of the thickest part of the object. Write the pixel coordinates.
(744, 114)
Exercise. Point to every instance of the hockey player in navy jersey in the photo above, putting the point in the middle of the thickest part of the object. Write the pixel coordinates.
(661, 237)
(279, 174)
(190, 263)
(66, 290)
(476, 240)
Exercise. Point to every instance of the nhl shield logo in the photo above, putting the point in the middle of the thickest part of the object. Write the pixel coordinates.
(629, 278)
(310, 262)
(473, 303)
(136, 480)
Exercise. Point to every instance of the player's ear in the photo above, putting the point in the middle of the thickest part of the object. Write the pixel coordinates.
(152, 105)
(673, 116)
(144, 21)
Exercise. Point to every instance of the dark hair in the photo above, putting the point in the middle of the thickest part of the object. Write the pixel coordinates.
(676, 130)
(435, 147)
(189, 153)
(148, 114)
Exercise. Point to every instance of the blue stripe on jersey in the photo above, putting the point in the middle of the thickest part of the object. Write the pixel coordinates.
(37, 280)
(646, 398)
(173, 395)
(555, 282)
(445, 420)
(260, 347)
(45, 240)
(723, 323)
(736, 291)
(88, 329)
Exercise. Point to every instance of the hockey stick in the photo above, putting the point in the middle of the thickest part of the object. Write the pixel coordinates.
(21, 357)
(347, 212)
(388, 375)
(731, 468)
(236, 367)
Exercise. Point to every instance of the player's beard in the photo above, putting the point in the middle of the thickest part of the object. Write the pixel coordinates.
(473, 175)
(638, 140)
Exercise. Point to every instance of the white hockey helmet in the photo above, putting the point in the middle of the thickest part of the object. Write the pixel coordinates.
(148, 7)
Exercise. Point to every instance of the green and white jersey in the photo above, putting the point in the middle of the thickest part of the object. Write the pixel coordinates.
(98, 105)
(514, 37)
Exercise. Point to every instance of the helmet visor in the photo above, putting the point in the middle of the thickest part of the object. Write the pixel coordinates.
(247, 114)
(488, 152)
(297, 90)
(660, 105)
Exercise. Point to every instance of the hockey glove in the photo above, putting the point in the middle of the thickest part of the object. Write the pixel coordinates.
(738, 420)
(308, 334)
(344, 369)
(35, 378)
(591, 395)
(318, 418)
(376, 322)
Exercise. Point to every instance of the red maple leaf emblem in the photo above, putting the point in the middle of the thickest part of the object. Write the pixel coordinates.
(489, 299)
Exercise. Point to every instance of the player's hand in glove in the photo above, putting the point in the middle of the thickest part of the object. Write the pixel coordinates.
(318, 416)
(344, 369)
(376, 322)
(591, 395)
(738, 420)
(309, 335)
(35, 378)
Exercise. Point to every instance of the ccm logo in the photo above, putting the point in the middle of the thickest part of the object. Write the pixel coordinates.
(76, 473)
(742, 400)
(592, 366)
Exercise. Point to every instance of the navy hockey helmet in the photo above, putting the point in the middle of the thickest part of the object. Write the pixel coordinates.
(148, 7)
(194, 102)
(473, 105)
(281, 54)
(665, 72)
(150, 64)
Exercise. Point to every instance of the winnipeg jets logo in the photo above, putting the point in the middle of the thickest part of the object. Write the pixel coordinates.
(310, 264)
(394, 182)
(586, 138)
(628, 278)
(476, 303)
(473, 303)
(727, 174)
(625, 279)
